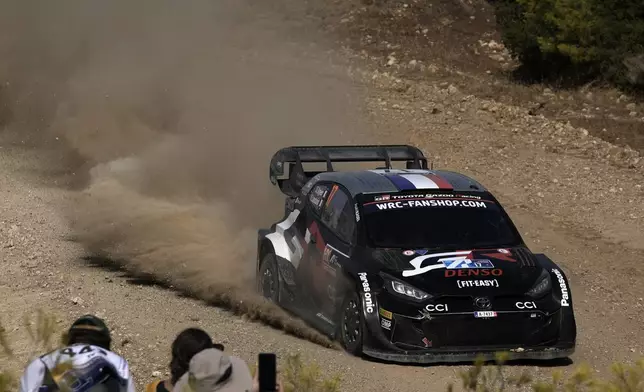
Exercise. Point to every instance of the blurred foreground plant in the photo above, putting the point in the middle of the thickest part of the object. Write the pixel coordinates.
(482, 378)
(41, 333)
(298, 377)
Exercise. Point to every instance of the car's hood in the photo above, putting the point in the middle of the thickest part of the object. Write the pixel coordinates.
(504, 271)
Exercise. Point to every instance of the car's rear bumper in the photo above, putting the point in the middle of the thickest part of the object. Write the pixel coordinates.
(470, 354)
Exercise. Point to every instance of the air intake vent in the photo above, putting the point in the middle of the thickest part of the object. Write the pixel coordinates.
(526, 258)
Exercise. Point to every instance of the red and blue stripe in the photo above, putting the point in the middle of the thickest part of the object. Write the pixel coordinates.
(410, 180)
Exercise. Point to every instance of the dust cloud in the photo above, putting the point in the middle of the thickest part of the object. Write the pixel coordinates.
(169, 113)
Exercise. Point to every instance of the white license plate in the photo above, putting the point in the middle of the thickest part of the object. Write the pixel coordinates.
(487, 314)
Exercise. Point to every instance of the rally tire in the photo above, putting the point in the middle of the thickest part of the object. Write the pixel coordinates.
(351, 325)
(268, 282)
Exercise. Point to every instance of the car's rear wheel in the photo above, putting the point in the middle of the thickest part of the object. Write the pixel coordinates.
(268, 283)
(352, 325)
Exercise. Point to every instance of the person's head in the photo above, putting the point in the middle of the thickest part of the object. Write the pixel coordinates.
(186, 345)
(213, 370)
(89, 329)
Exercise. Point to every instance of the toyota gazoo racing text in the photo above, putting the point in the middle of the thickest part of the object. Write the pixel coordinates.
(410, 264)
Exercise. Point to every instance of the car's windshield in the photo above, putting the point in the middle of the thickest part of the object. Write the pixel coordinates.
(435, 221)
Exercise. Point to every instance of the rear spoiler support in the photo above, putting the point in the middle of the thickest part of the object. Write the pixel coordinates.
(296, 155)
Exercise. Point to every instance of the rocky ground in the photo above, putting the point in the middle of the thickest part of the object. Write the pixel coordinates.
(576, 194)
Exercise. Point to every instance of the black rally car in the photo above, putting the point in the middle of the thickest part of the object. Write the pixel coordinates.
(410, 264)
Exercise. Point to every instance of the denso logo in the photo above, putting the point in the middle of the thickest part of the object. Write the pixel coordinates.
(564, 289)
(367, 291)
(472, 272)
(526, 305)
(436, 308)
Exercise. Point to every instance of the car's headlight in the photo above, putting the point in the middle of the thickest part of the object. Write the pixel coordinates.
(542, 287)
(397, 287)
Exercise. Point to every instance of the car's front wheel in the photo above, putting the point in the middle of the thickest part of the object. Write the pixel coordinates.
(352, 325)
(268, 281)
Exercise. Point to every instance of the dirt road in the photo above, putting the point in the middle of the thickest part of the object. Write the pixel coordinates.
(572, 196)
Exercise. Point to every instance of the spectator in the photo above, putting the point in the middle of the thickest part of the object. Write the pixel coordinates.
(93, 366)
(212, 370)
(188, 342)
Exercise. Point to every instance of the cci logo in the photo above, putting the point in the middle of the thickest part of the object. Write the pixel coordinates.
(526, 305)
(436, 308)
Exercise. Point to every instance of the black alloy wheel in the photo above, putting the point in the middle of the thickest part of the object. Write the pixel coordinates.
(352, 324)
(268, 282)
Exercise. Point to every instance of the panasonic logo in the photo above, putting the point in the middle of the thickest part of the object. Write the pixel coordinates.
(367, 291)
(565, 296)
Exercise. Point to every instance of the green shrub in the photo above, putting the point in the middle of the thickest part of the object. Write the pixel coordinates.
(584, 38)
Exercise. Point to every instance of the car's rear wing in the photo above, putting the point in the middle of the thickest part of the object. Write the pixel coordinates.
(292, 182)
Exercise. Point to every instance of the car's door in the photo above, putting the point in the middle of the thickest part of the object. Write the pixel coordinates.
(309, 236)
(337, 231)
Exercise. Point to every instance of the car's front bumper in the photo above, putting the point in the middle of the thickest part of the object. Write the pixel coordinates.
(461, 337)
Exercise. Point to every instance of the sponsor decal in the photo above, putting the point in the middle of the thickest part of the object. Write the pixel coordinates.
(329, 260)
(326, 255)
(334, 190)
(386, 324)
(382, 198)
(418, 262)
(428, 343)
(357, 212)
(317, 200)
(408, 253)
(462, 263)
(525, 305)
(385, 313)
(432, 196)
(323, 317)
(367, 291)
(507, 255)
(436, 308)
(477, 283)
(473, 272)
(564, 289)
(320, 191)
(485, 314)
(393, 205)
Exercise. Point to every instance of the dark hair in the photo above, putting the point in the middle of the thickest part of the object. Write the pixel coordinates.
(186, 345)
(89, 337)
(89, 329)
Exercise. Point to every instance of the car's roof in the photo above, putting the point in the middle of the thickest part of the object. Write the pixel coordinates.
(397, 180)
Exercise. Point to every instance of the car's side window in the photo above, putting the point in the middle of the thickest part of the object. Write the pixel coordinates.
(317, 196)
(338, 213)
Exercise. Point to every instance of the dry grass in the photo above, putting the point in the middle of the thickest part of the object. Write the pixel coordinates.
(480, 378)
(42, 332)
